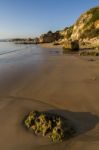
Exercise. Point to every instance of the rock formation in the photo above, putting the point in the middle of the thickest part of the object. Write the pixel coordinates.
(49, 37)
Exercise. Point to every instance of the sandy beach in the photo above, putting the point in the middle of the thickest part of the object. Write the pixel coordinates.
(44, 79)
(49, 45)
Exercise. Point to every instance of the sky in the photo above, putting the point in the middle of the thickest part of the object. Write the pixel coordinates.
(30, 18)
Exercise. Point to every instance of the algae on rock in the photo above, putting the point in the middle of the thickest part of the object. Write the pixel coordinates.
(46, 124)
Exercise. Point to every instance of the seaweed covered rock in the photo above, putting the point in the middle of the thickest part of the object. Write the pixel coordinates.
(47, 124)
(90, 53)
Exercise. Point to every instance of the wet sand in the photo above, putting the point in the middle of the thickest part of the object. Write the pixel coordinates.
(45, 79)
(50, 45)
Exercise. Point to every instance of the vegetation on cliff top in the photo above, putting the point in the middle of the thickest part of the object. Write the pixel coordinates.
(95, 14)
(88, 19)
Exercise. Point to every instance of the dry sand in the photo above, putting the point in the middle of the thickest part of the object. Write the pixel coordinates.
(48, 80)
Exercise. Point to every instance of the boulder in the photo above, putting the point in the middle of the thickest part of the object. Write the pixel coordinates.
(71, 46)
(75, 45)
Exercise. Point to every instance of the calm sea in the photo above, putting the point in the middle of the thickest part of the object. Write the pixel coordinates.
(8, 47)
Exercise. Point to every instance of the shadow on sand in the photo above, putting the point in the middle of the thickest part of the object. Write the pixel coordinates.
(81, 121)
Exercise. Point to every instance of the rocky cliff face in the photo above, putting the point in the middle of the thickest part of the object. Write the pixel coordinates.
(87, 26)
(85, 30)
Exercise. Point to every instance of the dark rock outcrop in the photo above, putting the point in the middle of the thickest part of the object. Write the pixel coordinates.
(49, 37)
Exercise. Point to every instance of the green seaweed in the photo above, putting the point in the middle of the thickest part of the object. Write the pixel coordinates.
(49, 125)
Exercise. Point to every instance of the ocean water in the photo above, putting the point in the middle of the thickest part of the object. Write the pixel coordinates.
(19, 55)
(9, 47)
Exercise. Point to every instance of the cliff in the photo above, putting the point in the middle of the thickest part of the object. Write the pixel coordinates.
(87, 26)
(85, 29)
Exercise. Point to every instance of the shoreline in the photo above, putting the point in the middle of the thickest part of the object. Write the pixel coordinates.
(49, 45)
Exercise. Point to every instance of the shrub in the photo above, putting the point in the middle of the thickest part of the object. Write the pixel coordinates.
(95, 15)
(69, 31)
(90, 33)
(96, 47)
